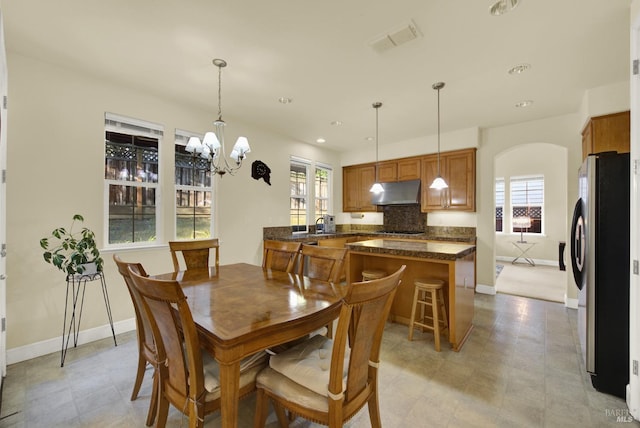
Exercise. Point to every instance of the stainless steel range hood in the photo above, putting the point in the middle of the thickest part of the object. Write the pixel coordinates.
(399, 193)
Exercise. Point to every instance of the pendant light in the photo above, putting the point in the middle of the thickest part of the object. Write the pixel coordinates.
(377, 187)
(439, 182)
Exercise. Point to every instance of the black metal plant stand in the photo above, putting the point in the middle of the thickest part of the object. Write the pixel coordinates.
(75, 284)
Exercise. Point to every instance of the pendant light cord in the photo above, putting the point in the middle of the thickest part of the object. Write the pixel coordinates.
(439, 132)
(376, 144)
(377, 106)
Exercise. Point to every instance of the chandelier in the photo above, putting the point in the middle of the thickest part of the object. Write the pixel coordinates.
(212, 146)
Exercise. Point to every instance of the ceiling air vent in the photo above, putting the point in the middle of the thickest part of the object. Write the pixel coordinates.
(395, 37)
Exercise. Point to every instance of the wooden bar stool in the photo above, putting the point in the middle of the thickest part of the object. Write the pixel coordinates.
(369, 274)
(428, 293)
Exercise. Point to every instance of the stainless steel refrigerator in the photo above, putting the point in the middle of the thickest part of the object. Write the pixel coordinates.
(600, 262)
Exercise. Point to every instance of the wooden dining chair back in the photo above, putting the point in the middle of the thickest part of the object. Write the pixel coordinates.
(299, 381)
(188, 377)
(146, 345)
(280, 255)
(323, 263)
(195, 254)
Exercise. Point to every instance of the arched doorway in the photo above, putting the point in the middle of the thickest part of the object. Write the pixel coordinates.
(536, 242)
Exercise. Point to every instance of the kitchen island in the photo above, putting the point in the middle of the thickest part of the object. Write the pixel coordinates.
(454, 263)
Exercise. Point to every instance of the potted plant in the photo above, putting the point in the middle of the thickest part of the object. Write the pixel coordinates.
(72, 252)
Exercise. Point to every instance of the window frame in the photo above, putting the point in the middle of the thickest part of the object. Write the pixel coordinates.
(306, 164)
(139, 128)
(181, 138)
(319, 166)
(531, 203)
(498, 205)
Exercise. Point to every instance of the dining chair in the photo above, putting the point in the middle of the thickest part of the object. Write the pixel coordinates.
(194, 253)
(188, 376)
(323, 380)
(322, 263)
(280, 255)
(146, 345)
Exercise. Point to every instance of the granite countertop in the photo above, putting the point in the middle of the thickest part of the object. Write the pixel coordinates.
(422, 249)
(307, 237)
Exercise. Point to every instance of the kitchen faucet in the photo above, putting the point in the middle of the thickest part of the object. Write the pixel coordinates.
(320, 219)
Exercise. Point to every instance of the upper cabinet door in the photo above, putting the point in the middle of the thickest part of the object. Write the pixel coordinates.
(458, 168)
(356, 182)
(461, 175)
(431, 199)
(611, 132)
(409, 169)
(387, 172)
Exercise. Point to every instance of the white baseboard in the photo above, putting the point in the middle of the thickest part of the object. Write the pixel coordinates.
(570, 303)
(541, 262)
(33, 350)
(486, 289)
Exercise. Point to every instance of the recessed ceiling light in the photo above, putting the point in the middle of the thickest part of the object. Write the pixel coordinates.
(321, 140)
(525, 103)
(503, 6)
(520, 68)
(369, 138)
(285, 100)
(336, 123)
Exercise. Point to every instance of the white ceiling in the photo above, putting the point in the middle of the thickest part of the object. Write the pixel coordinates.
(318, 54)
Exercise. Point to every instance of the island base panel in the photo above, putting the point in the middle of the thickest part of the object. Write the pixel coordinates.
(459, 313)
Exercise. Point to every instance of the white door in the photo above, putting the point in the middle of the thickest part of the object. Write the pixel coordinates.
(3, 206)
(633, 390)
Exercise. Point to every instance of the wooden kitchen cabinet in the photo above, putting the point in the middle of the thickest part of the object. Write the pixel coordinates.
(458, 168)
(356, 182)
(611, 132)
(333, 242)
(409, 169)
(399, 170)
(387, 172)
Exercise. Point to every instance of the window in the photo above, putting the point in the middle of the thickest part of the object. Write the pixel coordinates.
(527, 201)
(322, 190)
(499, 204)
(306, 207)
(131, 179)
(193, 191)
(298, 199)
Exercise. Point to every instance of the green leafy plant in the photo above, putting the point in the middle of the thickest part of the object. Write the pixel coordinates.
(69, 251)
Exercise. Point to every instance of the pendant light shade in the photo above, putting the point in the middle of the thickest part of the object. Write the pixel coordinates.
(377, 187)
(439, 182)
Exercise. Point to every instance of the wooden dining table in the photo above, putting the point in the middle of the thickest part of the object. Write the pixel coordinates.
(241, 309)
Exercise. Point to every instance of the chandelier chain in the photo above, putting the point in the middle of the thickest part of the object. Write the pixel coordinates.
(220, 93)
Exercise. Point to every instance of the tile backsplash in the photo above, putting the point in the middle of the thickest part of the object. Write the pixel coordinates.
(401, 218)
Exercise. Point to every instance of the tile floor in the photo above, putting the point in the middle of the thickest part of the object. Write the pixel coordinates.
(519, 368)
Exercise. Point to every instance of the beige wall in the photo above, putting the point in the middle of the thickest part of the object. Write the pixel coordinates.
(563, 131)
(551, 162)
(55, 169)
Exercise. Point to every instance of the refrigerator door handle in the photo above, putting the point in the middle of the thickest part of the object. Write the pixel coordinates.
(578, 245)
